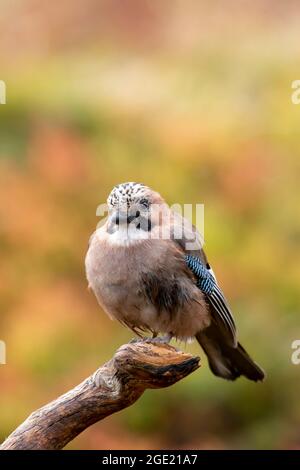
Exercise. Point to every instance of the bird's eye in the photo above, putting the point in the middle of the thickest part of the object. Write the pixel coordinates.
(145, 203)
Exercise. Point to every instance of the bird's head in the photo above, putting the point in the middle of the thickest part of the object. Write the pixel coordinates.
(135, 205)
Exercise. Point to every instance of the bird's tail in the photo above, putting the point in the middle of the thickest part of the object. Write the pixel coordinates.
(225, 360)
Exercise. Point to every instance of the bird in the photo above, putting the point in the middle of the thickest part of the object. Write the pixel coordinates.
(147, 268)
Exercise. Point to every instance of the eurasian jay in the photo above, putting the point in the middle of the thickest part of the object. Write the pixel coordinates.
(147, 268)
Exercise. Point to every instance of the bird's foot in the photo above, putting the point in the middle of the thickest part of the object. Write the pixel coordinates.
(155, 339)
(162, 339)
(140, 339)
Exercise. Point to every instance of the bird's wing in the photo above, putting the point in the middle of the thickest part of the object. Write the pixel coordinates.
(192, 245)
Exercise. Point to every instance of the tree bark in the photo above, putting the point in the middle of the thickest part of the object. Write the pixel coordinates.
(114, 386)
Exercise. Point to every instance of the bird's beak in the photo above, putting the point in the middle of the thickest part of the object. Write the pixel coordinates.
(123, 217)
(119, 217)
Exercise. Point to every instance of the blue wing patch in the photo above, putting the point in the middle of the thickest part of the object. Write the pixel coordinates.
(208, 285)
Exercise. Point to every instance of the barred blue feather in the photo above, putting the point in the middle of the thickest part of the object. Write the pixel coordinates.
(208, 285)
(205, 280)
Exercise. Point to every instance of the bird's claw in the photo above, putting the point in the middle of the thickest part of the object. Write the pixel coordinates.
(156, 339)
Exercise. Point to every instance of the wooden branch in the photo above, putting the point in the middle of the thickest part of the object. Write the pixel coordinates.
(114, 386)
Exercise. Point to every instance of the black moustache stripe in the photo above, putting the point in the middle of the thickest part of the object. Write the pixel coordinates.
(143, 223)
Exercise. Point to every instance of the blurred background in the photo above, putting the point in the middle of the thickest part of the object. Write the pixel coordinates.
(194, 99)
